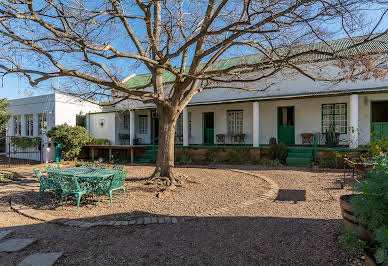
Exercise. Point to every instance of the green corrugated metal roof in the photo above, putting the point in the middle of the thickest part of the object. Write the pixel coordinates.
(341, 46)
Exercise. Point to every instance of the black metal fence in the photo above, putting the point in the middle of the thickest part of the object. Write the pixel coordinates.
(14, 155)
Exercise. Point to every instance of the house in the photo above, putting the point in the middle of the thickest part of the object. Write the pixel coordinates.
(33, 116)
(294, 108)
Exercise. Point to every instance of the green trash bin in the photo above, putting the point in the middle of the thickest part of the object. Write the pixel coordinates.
(58, 152)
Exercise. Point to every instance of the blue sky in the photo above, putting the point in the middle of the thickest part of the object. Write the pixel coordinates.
(12, 87)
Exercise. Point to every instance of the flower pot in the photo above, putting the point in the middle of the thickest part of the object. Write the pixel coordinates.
(350, 221)
(331, 144)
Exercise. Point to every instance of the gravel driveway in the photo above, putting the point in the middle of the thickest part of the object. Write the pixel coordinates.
(280, 232)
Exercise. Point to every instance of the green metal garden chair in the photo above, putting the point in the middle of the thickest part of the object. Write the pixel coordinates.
(71, 186)
(108, 185)
(45, 183)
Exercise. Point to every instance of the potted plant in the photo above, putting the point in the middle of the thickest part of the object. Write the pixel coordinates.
(370, 210)
(331, 137)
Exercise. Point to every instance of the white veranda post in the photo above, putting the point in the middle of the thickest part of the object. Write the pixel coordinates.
(185, 127)
(353, 123)
(36, 125)
(256, 122)
(131, 127)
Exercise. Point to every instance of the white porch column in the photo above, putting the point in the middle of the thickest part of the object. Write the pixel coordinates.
(256, 127)
(353, 121)
(11, 127)
(36, 125)
(131, 127)
(23, 125)
(185, 127)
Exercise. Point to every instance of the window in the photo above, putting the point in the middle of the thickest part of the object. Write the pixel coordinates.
(80, 120)
(42, 123)
(179, 125)
(235, 122)
(142, 124)
(334, 114)
(29, 125)
(17, 121)
(126, 121)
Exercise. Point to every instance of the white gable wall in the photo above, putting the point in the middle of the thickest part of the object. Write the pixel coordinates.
(107, 130)
(67, 108)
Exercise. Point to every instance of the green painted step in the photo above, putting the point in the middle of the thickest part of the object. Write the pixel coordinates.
(300, 155)
(299, 161)
(300, 150)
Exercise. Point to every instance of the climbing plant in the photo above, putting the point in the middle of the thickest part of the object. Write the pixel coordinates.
(25, 142)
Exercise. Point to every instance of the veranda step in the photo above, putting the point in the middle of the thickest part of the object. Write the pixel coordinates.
(300, 155)
(298, 161)
(299, 150)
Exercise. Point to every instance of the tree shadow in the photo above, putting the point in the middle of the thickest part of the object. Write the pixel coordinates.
(234, 240)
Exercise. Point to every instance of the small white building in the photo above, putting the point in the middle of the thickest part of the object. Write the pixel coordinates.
(34, 116)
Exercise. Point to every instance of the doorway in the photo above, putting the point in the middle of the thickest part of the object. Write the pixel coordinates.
(286, 125)
(379, 119)
(208, 128)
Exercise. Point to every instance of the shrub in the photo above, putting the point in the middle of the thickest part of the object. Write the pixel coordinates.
(71, 138)
(6, 176)
(279, 152)
(239, 156)
(371, 208)
(185, 157)
(25, 142)
(266, 162)
(378, 146)
(100, 141)
(332, 160)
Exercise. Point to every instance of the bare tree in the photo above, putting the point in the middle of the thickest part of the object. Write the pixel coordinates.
(93, 45)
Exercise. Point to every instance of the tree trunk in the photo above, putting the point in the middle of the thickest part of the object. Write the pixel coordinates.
(165, 157)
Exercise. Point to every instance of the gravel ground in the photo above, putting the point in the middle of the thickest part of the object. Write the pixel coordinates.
(205, 190)
(266, 233)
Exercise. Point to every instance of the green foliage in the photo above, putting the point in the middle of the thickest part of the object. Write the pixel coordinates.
(100, 141)
(378, 146)
(211, 156)
(332, 160)
(239, 156)
(330, 135)
(25, 142)
(350, 241)
(6, 176)
(382, 240)
(371, 206)
(279, 152)
(4, 117)
(185, 157)
(266, 162)
(71, 138)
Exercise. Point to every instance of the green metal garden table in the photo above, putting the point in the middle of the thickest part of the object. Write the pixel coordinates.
(85, 172)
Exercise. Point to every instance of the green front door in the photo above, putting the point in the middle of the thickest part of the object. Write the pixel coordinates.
(286, 125)
(208, 128)
(379, 119)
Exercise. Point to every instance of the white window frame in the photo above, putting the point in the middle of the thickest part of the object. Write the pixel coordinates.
(126, 121)
(29, 121)
(17, 123)
(179, 125)
(334, 113)
(235, 122)
(42, 123)
(142, 124)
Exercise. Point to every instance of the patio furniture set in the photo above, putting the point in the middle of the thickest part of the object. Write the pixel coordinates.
(88, 179)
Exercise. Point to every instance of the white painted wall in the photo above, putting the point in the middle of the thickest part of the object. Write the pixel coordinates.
(107, 131)
(308, 117)
(67, 108)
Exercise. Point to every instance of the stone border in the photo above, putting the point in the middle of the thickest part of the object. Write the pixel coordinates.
(16, 203)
